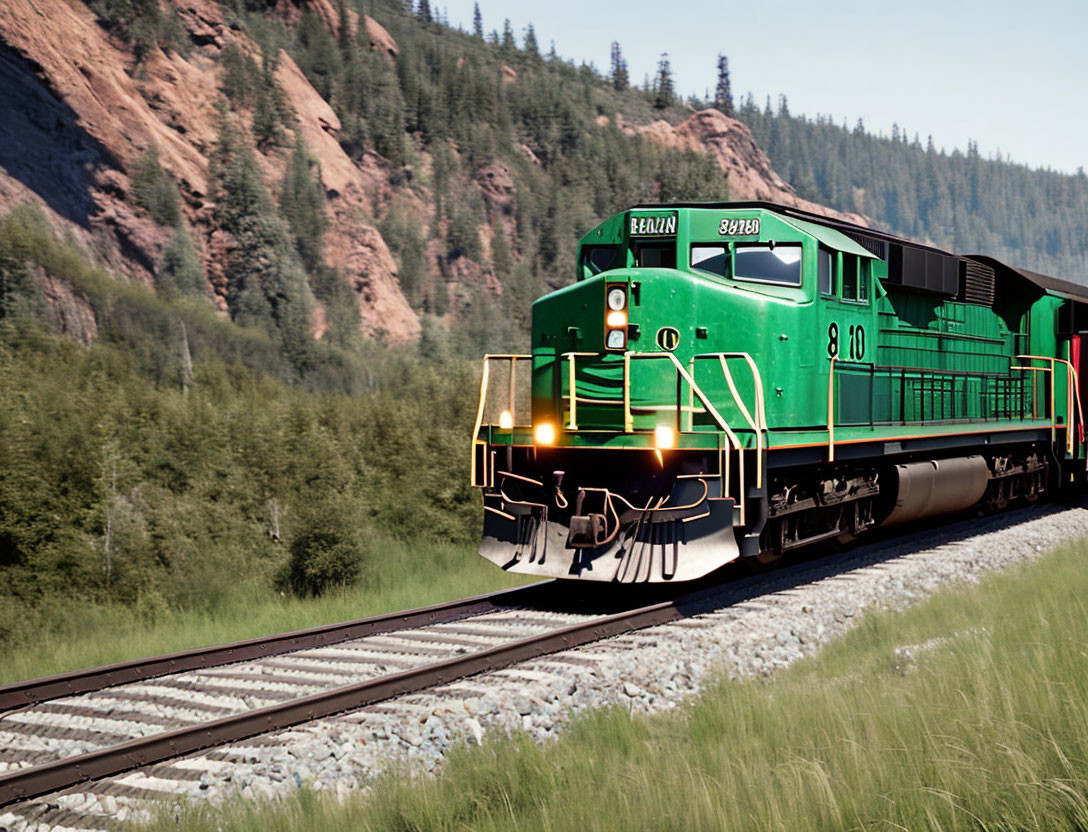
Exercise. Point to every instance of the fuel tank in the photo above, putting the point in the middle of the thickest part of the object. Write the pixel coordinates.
(937, 486)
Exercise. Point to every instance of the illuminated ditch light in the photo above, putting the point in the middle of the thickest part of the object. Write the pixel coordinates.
(664, 437)
(506, 420)
(544, 434)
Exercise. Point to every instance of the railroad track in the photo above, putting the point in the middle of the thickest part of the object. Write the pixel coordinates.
(110, 720)
(65, 744)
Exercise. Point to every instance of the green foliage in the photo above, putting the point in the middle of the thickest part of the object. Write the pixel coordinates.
(327, 551)
(266, 284)
(463, 234)
(154, 467)
(180, 269)
(22, 234)
(401, 233)
(619, 75)
(664, 88)
(319, 53)
(241, 76)
(302, 205)
(154, 190)
(447, 91)
(143, 24)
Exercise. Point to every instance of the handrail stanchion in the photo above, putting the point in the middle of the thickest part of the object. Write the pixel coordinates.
(831, 411)
(573, 393)
(628, 419)
(479, 418)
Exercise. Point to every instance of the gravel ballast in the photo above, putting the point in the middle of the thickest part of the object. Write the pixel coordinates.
(800, 609)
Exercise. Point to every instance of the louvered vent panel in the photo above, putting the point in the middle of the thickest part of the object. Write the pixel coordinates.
(978, 284)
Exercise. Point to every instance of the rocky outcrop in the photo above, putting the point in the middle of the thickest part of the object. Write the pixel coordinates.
(380, 40)
(746, 167)
(79, 118)
(352, 245)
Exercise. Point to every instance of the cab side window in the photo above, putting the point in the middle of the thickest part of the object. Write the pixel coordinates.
(597, 259)
(823, 268)
(849, 277)
(655, 255)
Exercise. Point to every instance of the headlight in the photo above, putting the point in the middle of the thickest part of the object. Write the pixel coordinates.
(617, 299)
(617, 338)
(616, 320)
(506, 420)
(544, 434)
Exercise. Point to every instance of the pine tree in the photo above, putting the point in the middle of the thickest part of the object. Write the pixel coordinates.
(423, 13)
(508, 44)
(477, 22)
(271, 108)
(619, 76)
(501, 262)
(302, 204)
(180, 269)
(664, 89)
(531, 46)
(154, 190)
(723, 92)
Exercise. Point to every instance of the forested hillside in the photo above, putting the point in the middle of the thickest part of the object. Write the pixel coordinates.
(959, 200)
(251, 251)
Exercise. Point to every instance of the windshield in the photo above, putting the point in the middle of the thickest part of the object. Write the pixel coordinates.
(780, 264)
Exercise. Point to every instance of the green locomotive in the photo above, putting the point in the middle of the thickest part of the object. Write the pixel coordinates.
(731, 380)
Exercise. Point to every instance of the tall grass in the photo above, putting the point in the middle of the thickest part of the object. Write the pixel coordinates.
(75, 634)
(986, 727)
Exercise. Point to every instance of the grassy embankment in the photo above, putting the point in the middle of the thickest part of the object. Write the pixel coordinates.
(987, 728)
(179, 482)
(76, 634)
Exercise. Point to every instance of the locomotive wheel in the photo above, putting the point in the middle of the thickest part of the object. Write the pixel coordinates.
(768, 556)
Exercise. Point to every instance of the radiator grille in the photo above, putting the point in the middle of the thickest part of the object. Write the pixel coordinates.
(978, 284)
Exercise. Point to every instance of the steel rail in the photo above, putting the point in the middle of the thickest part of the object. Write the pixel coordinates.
(33, 691)
(28, 783)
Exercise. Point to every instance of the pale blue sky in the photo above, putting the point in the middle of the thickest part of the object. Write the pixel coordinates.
(954, 69)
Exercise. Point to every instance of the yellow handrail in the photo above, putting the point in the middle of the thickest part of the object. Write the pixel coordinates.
(570, 356)
(1072, 402)
(759, 424)
(513, 358)
(628, 419)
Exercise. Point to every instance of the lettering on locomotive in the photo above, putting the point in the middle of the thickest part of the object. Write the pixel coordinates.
(668, 338)
(660, 226)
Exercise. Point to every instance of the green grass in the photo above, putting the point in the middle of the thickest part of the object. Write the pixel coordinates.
(82, 634)
(986, 730)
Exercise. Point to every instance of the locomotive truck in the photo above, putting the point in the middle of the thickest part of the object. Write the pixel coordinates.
(737, 380)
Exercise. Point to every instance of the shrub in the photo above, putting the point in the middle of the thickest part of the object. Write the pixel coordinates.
(154, 190)
(327, 551)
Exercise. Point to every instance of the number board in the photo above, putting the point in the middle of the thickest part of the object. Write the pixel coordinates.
(653, 225)
(734, 227)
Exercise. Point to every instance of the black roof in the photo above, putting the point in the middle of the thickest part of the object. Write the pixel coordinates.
(1054, 285)
(1065, 288)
